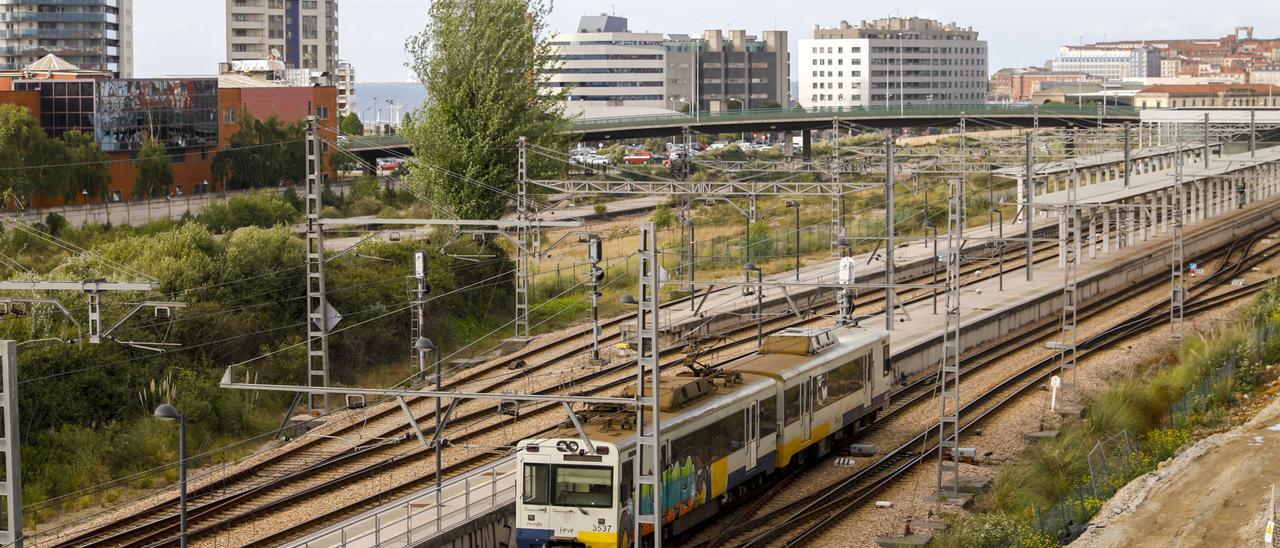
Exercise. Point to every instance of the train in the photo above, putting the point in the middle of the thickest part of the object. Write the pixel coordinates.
(723, 433)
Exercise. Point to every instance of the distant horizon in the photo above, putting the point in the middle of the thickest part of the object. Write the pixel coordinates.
(373, 36)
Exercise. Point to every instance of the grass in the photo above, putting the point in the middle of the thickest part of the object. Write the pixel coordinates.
(1139, 420)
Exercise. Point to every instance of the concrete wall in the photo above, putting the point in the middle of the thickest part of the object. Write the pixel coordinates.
(993, 326)
(496, 530)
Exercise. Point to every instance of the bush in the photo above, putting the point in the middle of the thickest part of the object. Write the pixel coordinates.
(662, 217)
(601, 210)
(261, 210)
(57, 224)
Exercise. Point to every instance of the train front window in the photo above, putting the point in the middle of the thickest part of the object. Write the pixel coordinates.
(536, 486)
(582, 486)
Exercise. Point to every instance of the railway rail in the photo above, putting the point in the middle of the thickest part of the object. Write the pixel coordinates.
(290, 476)
(808, 517)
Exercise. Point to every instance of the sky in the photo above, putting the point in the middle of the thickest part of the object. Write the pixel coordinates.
(189, 36)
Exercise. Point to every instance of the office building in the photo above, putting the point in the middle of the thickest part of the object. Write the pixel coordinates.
(728, 72)
(304, 33)
(91, 34)
(1110, 62)
(893, 61)
(604, 64)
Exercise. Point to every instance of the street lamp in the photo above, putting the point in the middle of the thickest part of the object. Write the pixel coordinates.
(424, 345)
(751, 267)
(796, 204)
(693, 263)
(901, 105)
(167, 412)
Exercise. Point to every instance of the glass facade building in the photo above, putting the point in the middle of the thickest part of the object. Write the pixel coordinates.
(120, 113)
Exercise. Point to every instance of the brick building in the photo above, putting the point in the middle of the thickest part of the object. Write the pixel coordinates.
(193, 116)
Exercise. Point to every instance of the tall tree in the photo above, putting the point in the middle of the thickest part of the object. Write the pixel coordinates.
(30, 162)
(155, 175)
(87, 172)
(482, 62)
(261, 153)
(351, 125)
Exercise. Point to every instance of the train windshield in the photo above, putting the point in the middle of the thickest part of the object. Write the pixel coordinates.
(582, 486)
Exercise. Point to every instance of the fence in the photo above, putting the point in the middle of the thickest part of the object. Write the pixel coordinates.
(1117, 459)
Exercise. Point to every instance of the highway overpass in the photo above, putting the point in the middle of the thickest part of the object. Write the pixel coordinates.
(798, 120)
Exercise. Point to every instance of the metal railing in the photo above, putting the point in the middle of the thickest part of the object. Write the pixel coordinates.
(892, 111)
(824, 113)
(413, 519)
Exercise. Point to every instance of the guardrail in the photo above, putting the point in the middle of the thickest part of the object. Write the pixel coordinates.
(416, 518)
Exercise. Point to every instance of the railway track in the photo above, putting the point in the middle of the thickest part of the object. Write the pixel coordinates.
(290, 476)
(805, 519)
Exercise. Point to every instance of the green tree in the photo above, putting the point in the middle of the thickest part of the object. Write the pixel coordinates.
(482, 62)
(261, 153)
(351, 125)
(30, 162)
(155, 175)
(87, 172)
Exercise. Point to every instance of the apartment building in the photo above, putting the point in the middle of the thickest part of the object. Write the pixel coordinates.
(90, 34)
(893, 61)
(604, 64)
(345, 81)
(728, 71)
(304, 33)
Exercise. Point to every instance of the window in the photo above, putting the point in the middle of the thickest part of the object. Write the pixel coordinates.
(768, 417)
(589, 486)
(322, 112)
(309, 27)
(535, 483)
(275, 4)
(791, 408)
(310, 5)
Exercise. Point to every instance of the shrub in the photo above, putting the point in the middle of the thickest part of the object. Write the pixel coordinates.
(56, 223)
(261, 210)
(601, 210)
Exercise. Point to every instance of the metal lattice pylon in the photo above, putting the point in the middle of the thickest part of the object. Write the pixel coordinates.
(1177, 296)
(648, 440)
(949, 373)
(317, 301)
(1070, 238)
(838, 229)
(523, 240)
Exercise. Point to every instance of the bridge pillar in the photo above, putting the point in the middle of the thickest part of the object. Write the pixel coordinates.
(806, 137)
(788, 147)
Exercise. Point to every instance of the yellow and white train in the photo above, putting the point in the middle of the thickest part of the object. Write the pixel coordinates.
(722, 435)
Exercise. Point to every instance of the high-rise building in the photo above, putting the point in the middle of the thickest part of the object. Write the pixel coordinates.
(894, 61)
(740, 71)
(605, 64)
(345, 80)
(91, 34)
(304, 33)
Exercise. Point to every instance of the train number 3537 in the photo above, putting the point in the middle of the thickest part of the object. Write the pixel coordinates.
(601, 528)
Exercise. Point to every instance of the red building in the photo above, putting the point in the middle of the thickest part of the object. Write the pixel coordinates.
(193, 117)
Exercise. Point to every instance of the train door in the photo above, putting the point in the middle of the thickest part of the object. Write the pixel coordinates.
(806, 408)
(535, 491)
(752, 434)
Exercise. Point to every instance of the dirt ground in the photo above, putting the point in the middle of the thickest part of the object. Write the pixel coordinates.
(1215, 493)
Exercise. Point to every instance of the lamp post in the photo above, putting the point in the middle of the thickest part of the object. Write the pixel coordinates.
(424, 345)
(743, 104)
(693, 263)
(751, 267)
(796, 204)
(167, 412)
(901, 96)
